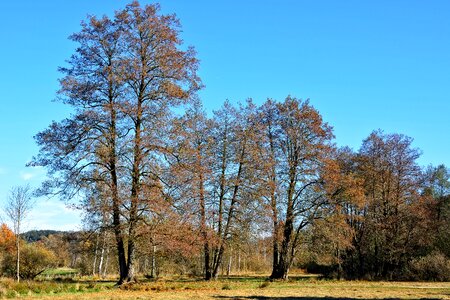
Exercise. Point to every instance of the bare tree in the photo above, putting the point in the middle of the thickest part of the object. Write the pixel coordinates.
(17, 208)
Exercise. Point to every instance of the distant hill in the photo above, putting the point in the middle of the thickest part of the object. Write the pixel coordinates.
(37, 235)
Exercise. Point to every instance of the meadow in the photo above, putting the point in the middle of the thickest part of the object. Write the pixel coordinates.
(234, 287)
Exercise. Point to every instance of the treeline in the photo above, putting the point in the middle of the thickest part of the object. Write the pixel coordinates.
(398, 229)
(162, 180)
(42, 250)
(37, 235)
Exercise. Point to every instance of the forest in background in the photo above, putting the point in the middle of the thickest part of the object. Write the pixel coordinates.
(167, 189)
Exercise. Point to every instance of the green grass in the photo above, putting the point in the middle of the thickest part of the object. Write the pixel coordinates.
(60, 272)
(11, 289)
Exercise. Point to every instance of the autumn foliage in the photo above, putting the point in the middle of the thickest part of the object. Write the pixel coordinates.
(7, 239)
(251, 186)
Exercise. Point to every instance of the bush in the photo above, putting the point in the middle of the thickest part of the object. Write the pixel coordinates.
(433, 267)
(34, 259)
(327, 271)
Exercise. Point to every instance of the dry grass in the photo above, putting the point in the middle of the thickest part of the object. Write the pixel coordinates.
(247, 288)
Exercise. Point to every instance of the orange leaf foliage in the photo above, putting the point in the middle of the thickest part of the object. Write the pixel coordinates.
(7, 238)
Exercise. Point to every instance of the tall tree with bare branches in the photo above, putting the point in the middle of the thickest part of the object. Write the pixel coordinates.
(123, 81)
(294, 144)
(19, 205)
(158, 76)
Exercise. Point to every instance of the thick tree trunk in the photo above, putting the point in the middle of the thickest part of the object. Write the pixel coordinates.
(203, 229)
(207, 262)
(117, 226)
(281, 269)
(275, 242)
(276, 253)
(273, 204)
(131, 232)
(131, 261)
(135, 187)
(123, 270)
(135, 182)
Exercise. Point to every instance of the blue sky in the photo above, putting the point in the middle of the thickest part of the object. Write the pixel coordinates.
(364, 64)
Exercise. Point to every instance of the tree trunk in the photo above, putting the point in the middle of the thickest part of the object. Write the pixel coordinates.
(153, 269)
(273, 204)
(102, 254)
(18, 257)
(280, 270)
(234, 199)
(105, 268)
(230, 259)
(117, 226)
(239, 261)
(95, 256)
(275, 243)
(123, 270)
(135, 187)
(203, 225)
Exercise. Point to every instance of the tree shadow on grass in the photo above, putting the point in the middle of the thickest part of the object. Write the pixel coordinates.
(306, 298)
(305, 277)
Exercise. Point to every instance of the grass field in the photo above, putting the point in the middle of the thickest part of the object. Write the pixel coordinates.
(246, 288)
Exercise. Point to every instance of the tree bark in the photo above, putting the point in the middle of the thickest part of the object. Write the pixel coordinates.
(231, 210)
(117, 226)
(229, 262)
(153, 269)
(105, 268)
(95, 256)
(280, 270)
(18, 256)
(203, 228)
(102, 254)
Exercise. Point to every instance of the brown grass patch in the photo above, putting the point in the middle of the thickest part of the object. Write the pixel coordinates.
(251, 289)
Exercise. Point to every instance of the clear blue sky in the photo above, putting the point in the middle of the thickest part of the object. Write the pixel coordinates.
(364, 64)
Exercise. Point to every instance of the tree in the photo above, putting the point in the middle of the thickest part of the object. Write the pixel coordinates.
(394, 214)
(233, 183)
(334, 234)
(125, 78)
(212, 172)
(191, 171)
(57, 243)
(7, 239)
(83, 151)
(158, 76)
(293, 148)
(17, 208)
(438, 187)
(7, 243)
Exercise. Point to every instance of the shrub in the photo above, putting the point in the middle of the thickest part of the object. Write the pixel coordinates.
(327, 271)
(34, 259)
(433, 267)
